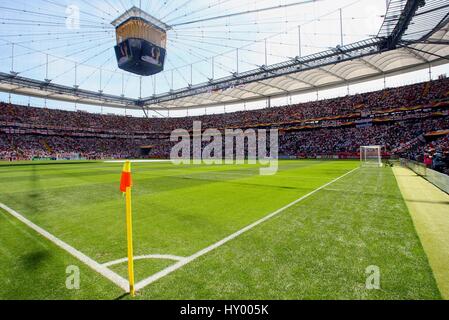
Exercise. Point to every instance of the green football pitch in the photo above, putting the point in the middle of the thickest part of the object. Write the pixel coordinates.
(211, 232)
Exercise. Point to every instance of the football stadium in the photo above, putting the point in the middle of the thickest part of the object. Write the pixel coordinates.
(224, 150)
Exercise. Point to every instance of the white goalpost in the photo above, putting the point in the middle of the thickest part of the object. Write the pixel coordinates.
(370, 156)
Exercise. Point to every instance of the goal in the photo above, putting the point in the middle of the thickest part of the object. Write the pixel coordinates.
(370, 156)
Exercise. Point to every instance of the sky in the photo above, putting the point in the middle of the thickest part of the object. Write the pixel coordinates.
(77, 40)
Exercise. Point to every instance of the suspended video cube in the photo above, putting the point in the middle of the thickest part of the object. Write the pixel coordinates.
(141, 42)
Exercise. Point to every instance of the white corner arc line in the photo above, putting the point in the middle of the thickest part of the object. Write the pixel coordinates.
(109, 274)
(214, 246)
(147, 256)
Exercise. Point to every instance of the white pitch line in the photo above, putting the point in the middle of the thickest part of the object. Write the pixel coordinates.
(148, 256)
(218, 244)
(109, 274)
(135, 161)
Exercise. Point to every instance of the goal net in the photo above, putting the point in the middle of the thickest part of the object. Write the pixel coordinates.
(371, 156)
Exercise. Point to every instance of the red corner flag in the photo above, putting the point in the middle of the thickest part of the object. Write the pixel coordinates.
(126, 181)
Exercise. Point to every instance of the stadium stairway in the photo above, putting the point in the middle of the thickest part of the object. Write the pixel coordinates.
(426, 89)
(46, 146)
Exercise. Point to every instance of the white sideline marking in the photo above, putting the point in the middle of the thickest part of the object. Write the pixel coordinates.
(109, 274)
(135, 161)
(214, 246)
(148, 256)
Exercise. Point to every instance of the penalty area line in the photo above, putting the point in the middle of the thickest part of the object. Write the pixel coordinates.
(103, 270)
(142, 284)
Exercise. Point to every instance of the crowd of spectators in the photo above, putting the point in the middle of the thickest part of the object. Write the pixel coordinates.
(336, 140)
(434, 152)
(406, 96)
(26, 147)
(438, 154)
(61, 134)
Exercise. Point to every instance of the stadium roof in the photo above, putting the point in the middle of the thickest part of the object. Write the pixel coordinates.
(416, 39)
(414, 35)
(360, 64)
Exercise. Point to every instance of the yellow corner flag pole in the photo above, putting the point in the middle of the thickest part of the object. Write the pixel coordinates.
(129, 228)
(125, 186)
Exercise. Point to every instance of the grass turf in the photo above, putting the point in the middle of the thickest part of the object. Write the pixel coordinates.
(316, 249)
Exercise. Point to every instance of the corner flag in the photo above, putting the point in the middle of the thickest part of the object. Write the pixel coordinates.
(125, 186)
(126, 180)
